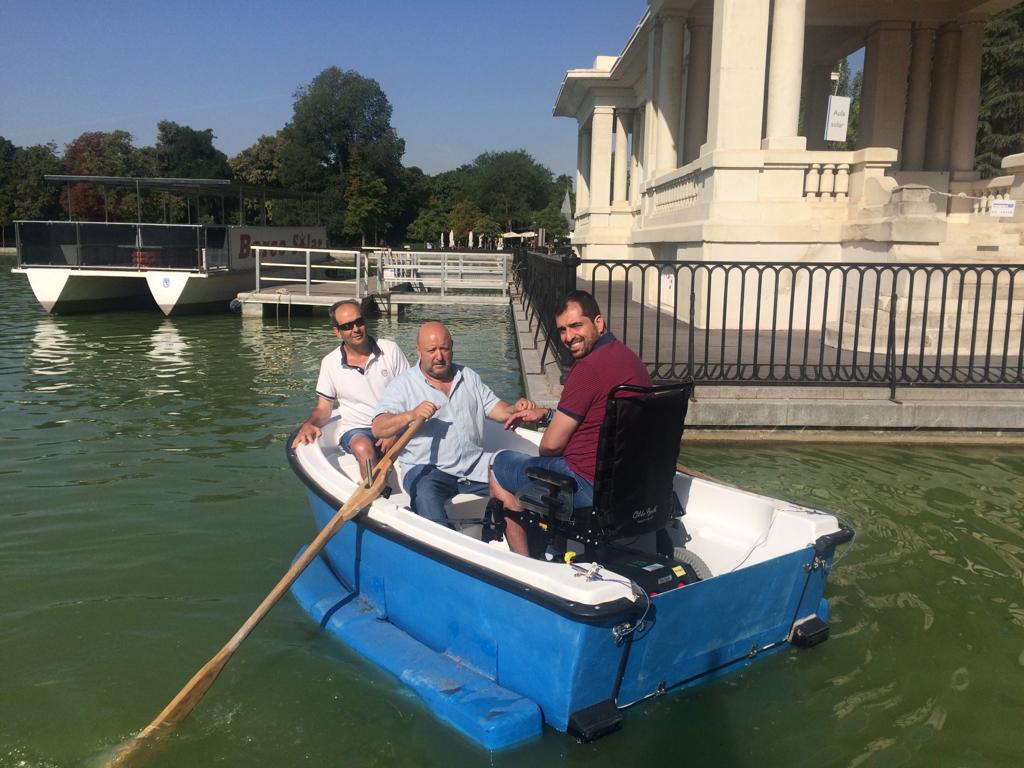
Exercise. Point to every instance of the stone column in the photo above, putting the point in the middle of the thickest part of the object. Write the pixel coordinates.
(623, 120)
(601, 158)
(698, 81)
(820, 87)
(940, 105)
(669, 94)
(739, 45)
(649, 149)
(583, 172)
(886, 63)
(635, 158)
(785, 71)
(915, 127)
(968, 95)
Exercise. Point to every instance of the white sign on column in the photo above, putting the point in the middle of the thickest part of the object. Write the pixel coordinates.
(838, 118)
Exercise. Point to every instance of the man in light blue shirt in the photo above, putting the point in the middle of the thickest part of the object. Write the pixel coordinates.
(446, 456)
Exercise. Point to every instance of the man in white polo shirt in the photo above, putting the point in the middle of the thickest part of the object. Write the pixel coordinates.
(355, 375)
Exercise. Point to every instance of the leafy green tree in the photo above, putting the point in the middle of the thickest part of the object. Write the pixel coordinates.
(510, 186)
(185, 153)
(1001, 112)
(182, 152)
(552, 220)
(430, 222)
(465, 218)
(258, 165)
(340, 115)
(23, 193)
(365, 203)
(406, 202)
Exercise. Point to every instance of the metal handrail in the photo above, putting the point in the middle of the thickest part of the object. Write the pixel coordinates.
(447, 270)
(798, 323)
(360, 268)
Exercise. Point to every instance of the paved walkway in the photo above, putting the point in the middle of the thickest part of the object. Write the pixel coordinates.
(788, 413)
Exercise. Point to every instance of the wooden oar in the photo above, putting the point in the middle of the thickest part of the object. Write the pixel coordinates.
(187, 698)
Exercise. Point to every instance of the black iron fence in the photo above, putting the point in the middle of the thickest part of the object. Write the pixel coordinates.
(775, 323)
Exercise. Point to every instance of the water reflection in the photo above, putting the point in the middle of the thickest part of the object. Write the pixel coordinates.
(49, 355)
(167, 350)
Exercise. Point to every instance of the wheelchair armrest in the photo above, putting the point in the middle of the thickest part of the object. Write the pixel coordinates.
(556, 480)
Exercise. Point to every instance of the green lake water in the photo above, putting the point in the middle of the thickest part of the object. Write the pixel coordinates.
(147, 507)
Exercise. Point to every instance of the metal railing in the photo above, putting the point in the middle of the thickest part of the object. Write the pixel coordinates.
(114, 245)
(280, 264)
(446, 271)
(821, 324)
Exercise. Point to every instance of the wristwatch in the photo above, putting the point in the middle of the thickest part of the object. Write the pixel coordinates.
(546, 419)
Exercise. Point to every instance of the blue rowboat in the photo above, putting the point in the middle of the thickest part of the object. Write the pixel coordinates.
(498, 645)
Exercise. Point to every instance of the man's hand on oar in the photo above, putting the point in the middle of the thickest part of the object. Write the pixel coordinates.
(133, 752)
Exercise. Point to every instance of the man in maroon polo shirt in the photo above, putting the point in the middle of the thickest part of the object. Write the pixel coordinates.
(569, 445)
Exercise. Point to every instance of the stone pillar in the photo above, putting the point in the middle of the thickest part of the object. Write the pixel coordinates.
(601, 158)
(583, 174)
(940, 105)
(886, 63)
(915, 127)
(739, 45)
(623, 120)
(968, 95)
(636, 156)
(785, 71)
(669, 94)
(820, 87)
(649, 153)
(698, 81)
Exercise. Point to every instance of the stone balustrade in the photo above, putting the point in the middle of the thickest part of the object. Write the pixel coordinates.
(679, 192)
(986, 191)
(827, 182)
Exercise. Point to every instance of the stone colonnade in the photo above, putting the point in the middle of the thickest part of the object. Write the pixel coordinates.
(734, 82)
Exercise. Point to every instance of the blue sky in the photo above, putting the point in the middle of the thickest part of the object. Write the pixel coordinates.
(463, 76)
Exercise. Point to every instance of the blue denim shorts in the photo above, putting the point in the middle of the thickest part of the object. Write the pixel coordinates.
(346, 439)
(509, 468)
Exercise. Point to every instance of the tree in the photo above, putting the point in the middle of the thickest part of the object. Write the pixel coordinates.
(338, 116)
(510, 186)
(23, 193)
(258, 165)
(1001, 112)
(365, 203)
(96, 153)
(185, 153)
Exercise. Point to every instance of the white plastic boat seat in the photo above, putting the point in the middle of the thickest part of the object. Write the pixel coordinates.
(756, 529)
(748, 521)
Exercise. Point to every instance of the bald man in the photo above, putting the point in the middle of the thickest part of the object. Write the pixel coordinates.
(446, 457)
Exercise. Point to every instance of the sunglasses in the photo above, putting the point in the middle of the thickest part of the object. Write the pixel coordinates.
(360, 321)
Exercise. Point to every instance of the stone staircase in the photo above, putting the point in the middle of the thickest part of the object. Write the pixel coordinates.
(972, 311)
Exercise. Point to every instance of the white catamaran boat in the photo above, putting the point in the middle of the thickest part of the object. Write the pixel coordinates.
(677, 579)
(92, 266)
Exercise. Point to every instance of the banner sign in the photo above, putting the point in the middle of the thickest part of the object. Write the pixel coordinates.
(838, 118)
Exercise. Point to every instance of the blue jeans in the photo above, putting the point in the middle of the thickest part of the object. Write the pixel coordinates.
(509, 468)
(346, 439)
(430, 489)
